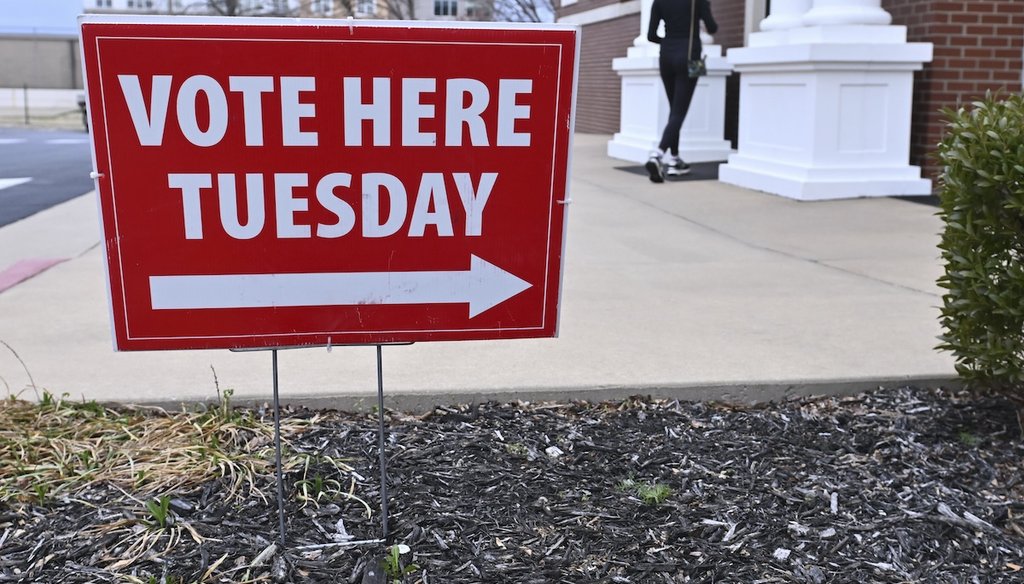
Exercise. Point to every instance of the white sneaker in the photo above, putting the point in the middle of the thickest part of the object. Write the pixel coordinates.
(674, 166)
(653, 166)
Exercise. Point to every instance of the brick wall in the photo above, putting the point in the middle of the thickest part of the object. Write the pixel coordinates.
(978, 47)
(583, 6)
(729, 16)
(600, 88)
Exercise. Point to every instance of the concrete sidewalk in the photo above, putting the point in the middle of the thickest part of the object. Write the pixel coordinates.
(695, 290)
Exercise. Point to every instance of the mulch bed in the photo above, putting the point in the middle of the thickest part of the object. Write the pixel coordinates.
(907, 485)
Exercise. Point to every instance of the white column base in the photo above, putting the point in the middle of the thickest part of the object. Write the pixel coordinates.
(851, 33)
(642, 50)
(818, 184)
(827, 120)
(644, 110)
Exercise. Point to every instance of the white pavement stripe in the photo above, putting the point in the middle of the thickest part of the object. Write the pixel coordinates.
(6, 141)
(483, 286)
(12, 182)
(68, 141)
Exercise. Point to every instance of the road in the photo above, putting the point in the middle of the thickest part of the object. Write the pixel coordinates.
(40, 168)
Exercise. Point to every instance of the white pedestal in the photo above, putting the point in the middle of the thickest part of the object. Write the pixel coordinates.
(644, 109)
(827, 120)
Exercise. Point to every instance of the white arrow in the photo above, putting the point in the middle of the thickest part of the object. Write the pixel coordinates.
(483, 286)
(12, 182)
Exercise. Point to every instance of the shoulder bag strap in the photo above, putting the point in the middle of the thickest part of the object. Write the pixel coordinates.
(693, 25)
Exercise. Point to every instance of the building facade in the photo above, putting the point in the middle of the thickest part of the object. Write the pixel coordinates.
(39, 61)
(978, 47)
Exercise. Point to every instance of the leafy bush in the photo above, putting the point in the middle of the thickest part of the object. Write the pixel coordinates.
(983, 243)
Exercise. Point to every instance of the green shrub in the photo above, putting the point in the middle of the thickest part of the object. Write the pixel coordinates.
(983, 243)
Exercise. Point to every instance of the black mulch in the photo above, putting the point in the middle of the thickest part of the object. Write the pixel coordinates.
(930, 200)
(698, 171)
(908, 485)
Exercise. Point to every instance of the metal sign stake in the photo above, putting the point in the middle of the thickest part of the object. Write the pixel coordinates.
(380, 447)
(380, 442)
(277, 448)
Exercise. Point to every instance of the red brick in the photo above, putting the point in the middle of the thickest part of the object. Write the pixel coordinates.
(993, 64)
(995, 41)
(968, 18)
(1007, 76)
(962, 64)
(980, 30)
(978, 74)
(963, 41)
(997, 18)
(943, 74)
(983, 53)
(945, 29)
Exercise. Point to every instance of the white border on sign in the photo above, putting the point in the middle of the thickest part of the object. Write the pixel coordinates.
(96, 185)
(568, 176)
(343, 23)
(319, 22)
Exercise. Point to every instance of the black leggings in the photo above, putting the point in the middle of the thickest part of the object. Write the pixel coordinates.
(679, 88)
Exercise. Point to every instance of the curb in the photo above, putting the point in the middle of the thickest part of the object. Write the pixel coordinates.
(741, 394)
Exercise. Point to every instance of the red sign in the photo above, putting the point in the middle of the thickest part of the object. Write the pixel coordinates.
(270, 183)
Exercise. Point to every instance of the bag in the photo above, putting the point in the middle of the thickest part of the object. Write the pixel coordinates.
(697, 67)
(694, 67)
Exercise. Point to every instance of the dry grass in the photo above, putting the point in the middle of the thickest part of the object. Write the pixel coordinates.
(56, 448)
(55, 451)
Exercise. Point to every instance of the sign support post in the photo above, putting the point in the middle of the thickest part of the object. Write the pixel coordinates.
(277, 451)
(380, 444)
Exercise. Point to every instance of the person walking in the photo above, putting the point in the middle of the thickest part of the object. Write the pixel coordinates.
(679, 46)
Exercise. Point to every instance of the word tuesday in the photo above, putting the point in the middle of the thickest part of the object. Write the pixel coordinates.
(465, 102)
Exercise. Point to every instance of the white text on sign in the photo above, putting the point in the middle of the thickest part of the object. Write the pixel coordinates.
(375, 109)
(430, 206)
(367, 106)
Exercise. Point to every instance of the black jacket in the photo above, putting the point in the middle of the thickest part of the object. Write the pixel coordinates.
(676, 14)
